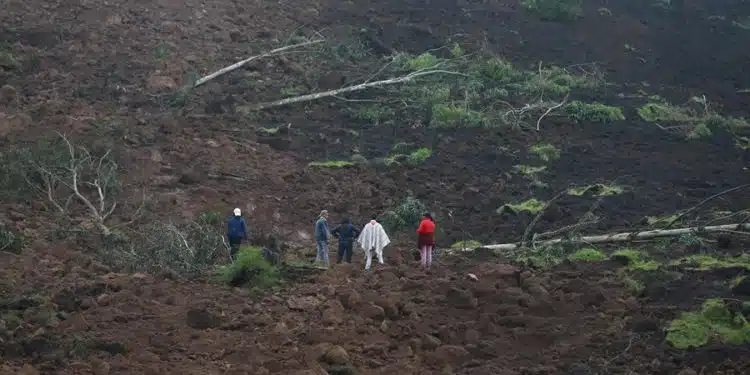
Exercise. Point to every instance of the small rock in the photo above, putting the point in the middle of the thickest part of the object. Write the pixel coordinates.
(99, 367)
(336, 356)
(374, 311)
(431, 342)
(687, 371)
(201, 319)
(451, 354)
(306, 303)
(161, 83)
(28, 370)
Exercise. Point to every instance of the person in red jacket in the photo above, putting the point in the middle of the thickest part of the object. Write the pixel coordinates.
(426, 241)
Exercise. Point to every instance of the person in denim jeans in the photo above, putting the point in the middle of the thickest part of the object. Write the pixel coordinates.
(321, 237)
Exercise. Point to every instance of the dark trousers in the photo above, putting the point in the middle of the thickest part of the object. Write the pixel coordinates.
(234, 247)
(345, 252)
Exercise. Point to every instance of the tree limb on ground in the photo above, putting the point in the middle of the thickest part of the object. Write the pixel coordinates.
(362, 86)
(628, 236)
(239, 64)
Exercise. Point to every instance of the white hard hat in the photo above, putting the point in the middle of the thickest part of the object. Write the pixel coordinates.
(237, 212)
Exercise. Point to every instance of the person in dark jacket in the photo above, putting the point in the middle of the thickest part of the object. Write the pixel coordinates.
(236, 233)
(346, 232)
(321, 237)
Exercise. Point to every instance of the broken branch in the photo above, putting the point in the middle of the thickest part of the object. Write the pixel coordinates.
(362, 86)
(239, 64)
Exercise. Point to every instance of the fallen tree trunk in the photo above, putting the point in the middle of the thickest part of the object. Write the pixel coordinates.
(343, 90)
(627, 236)
(239, 64)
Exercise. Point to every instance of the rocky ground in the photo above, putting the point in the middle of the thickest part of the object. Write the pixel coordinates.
(108, 75)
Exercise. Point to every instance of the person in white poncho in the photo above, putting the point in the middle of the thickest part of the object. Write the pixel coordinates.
(373, 238)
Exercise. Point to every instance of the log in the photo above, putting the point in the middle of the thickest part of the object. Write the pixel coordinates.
(626, 236)
(239, 64)
(343, 90)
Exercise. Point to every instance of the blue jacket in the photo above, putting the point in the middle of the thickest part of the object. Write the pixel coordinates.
(236, 227)
(321, 230)
(346, 233)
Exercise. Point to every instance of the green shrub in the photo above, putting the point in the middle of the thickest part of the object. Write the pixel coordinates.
(447, 116)
(655, 112)
(554, 10)
(594, 112)
(250, 269)
(420, 156)
(588, 255)
(546, 151)
(714, 321)
(403, 217)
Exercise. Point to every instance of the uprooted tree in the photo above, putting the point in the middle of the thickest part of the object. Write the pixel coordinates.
(456, 89)
(71, 177)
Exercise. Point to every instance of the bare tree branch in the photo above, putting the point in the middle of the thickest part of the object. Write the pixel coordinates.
(362, 86)
(239, 64)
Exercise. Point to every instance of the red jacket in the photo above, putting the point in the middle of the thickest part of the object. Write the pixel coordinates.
(426, 232)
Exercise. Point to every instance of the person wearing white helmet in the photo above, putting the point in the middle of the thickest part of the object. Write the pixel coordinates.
(236, 232)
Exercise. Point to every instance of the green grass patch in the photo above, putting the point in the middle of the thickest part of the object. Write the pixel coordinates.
(250, 269)
(587, 255)
(597, 190)
(530, 170)
(546, 151)
(419, 156)
(593, 112)
(662, 221)
(466, 245)
(332, 164)
(658, 112)
(702, 262)
(531, 206)
(451, 116)
(714, 321)
(635, 260)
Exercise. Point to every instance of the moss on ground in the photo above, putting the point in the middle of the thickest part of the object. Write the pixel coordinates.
(597, 190)
(588, 255)
(546, 151)
(703, 262)
(636, 260)
(714, 321)
(531, 206)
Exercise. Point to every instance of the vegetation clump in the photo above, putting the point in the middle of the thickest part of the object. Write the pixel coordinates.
(250, 269)
(703, 262)
(714, 321)
(466, 245)
(593, 112)
(403, 217)
(546, 151)
(597, 190)
(635, 260)
(11, 241)
(531, 206)
(587, 255)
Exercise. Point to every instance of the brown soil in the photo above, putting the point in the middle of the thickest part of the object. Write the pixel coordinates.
(89, 69)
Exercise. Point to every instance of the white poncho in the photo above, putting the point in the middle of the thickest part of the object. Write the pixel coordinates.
(373, 236)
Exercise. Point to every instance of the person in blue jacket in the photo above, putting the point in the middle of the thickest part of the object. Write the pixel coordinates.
(236, 233)
(321, 237)
(346, 233)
